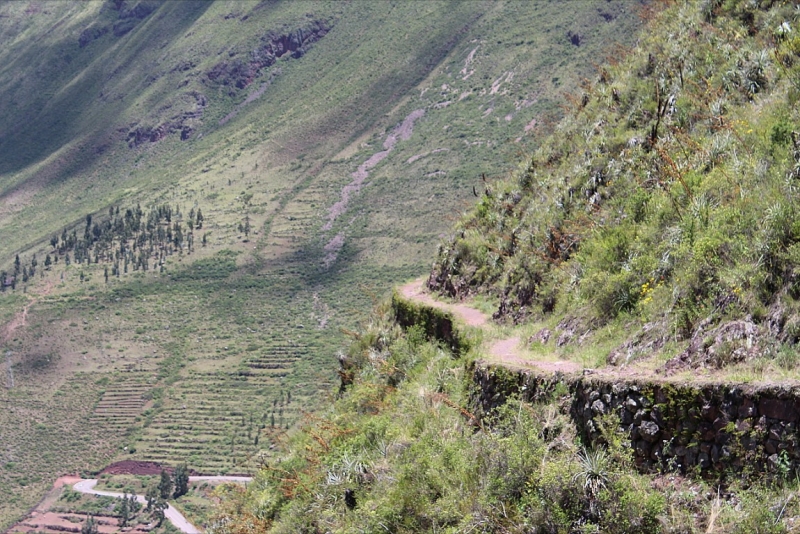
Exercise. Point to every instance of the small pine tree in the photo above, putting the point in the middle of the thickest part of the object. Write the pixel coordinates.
(124, 511)
(158, 510)
(151, 497)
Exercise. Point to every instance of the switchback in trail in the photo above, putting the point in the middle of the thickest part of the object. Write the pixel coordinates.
(505, 350)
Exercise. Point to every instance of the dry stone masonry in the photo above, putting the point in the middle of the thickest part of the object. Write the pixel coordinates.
(708, 429)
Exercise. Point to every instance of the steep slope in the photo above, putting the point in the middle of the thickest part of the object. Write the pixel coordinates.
(656, 226)
(659, 219)
(325, 143)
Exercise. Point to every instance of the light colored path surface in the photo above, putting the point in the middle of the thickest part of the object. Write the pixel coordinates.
(416, 291)
(505, 350)
(171, 513)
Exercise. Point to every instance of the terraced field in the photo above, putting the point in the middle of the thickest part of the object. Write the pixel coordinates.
(47, 430)
(195, 362)
(123, 401)
(226, 420)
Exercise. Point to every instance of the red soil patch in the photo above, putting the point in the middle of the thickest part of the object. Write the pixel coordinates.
(141, 468)
(67, 480)
(60, 522)
(134, 467)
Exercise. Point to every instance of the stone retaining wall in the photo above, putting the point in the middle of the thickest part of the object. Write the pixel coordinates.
(713, 429)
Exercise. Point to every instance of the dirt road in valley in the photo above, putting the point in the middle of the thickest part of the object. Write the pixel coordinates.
(505, 350)
(174, 516)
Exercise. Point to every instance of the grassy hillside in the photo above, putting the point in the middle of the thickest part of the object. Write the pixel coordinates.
(401, 451)
(658, 223)
(656, 228)
(259, 114)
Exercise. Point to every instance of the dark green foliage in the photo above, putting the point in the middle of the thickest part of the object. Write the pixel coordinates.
(89, 526)
(181, 479)
(165, 485)
(151, 497)
(216, 268)
(123, 509)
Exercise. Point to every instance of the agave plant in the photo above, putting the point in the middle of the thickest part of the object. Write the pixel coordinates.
(594, 471)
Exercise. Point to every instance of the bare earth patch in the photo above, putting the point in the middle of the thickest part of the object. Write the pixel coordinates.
(402, 133)
(416, 291)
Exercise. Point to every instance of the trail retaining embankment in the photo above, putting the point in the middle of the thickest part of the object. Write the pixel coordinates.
(709, 429)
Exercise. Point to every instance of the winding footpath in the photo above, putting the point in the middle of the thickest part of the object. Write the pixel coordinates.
(176, 518)
(506, 350)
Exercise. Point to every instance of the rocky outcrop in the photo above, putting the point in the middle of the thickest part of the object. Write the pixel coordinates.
(238, 73)
(732, 342)
(184, 122)
(709, 429)
(129, 15)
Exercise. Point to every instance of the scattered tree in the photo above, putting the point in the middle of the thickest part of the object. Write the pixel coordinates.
(151, 497)
(89, 526)
(165, 485)
(158, 511)
(181, 481)
(124, 511)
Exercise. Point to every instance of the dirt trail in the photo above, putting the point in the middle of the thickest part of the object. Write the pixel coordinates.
(416, 291)
(505, 350)
(401, 133)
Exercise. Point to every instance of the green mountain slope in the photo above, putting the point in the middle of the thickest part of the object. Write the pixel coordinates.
(260, 115)
(656, 228)
(660, 217)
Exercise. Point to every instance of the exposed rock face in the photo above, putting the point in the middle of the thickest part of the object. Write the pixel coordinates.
(731, 342)
(714, 429)
(183, 122)
(130, 14)
(240, 72)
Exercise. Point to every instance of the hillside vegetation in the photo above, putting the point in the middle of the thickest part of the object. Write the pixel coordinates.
(403, 450)
(326, 145)
(661, 215)
(656, 225)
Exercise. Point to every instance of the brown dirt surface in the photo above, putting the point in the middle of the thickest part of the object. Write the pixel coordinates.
(21, 317)
(141, 468)
(66, 480)
(53, 494)
(416, 291)
(506, 351)
(133, 467)
(52, 522)
(402, 132)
